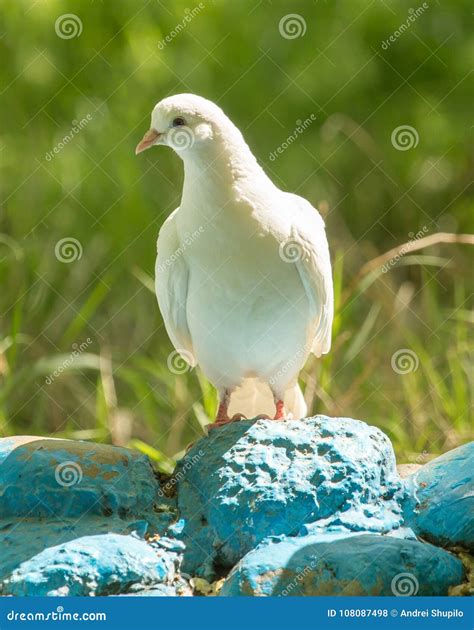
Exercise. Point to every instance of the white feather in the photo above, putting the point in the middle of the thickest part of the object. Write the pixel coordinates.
(171, 285)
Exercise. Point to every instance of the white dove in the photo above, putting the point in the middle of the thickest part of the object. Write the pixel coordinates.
(243, 272)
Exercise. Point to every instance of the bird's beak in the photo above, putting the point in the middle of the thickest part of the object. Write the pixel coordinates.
(147, 141)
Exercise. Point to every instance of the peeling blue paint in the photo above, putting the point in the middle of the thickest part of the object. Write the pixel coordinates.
(261, 478)
(60, 500)
(92, 565)
(440, 505)
(354, 564)
(38, 474)
(256, 498)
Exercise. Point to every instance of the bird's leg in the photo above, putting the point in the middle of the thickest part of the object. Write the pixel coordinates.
(280, 410)
(222, 416)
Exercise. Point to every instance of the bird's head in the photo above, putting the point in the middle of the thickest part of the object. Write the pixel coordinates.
(185, 122)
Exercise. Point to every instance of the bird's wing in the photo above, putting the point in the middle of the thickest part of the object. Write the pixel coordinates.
(312, 259)
(171, 286)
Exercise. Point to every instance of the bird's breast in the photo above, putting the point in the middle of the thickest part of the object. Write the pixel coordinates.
(246, 306)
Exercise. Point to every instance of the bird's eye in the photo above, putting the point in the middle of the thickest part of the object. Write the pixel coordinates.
(178, 122)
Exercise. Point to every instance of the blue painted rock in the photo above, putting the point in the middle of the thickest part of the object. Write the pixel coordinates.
(252, 479)
(161, 590)
(56, 492)
(49, 477)
(441, 498)
(304, 503)
(92, 565)
(21, 539)
(358, 564)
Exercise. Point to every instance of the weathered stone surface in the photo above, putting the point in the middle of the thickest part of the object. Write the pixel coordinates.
(54, 493)
(92, 565)
(358, 564)
(252, 479)
(161, 590)
(49, 477)
(440, 505)
(78, 518)
(22, 539)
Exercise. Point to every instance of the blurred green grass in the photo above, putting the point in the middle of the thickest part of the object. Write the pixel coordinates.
(373, 197)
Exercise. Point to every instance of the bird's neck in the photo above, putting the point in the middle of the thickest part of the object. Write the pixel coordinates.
(221, 170)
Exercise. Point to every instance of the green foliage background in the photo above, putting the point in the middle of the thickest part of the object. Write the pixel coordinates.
(373, 196)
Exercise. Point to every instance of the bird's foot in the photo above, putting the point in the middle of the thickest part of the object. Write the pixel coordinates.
(262, 416)
(221, 421)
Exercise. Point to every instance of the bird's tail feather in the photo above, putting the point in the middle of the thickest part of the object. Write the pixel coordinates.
(253, 398)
